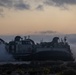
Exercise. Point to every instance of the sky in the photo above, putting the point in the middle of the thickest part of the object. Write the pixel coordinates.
(20, 17)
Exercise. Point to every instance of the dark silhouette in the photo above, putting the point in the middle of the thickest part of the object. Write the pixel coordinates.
(17, 38)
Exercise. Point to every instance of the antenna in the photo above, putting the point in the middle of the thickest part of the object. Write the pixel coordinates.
(61, 40)
(28, 36)
(25, 37)
(65, 39)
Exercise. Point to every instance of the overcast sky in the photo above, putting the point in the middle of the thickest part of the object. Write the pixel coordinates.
(37, 16)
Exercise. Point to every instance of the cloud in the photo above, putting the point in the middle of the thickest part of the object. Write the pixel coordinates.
(47, 32)
(60, 2)
(25, 4)
(14, 4)
(1, 12)
(63, 4)
(22, 6)
(40, 7)
(5, 3)
(37, 4)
